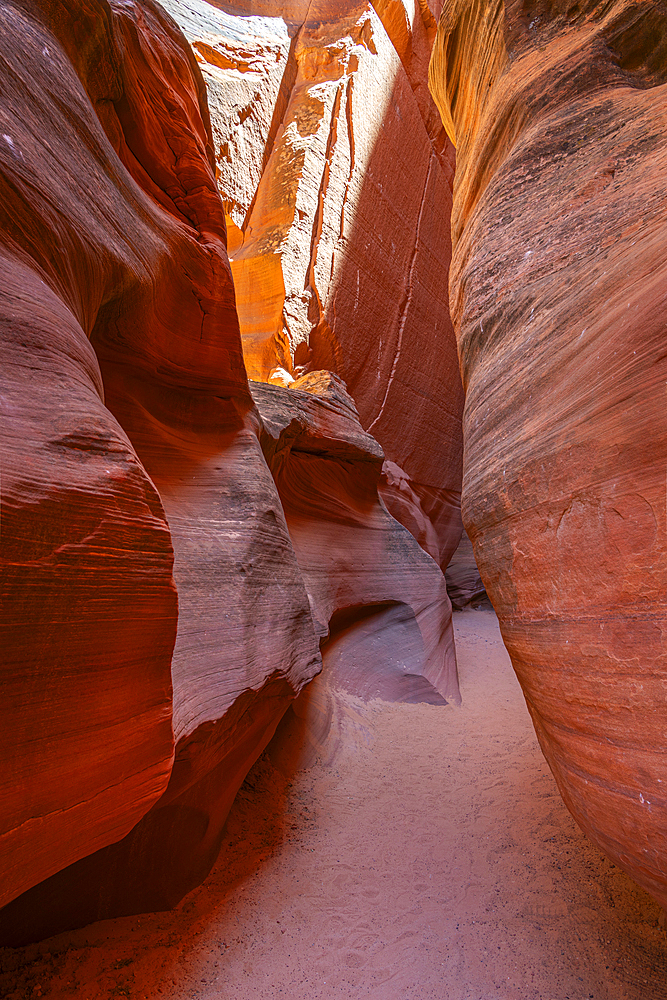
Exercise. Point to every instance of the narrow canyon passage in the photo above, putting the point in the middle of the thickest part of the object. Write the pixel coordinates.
(367, 208)
(424, 854)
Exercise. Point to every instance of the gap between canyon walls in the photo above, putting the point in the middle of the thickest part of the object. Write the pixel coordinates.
(318, 210)
(343, 261)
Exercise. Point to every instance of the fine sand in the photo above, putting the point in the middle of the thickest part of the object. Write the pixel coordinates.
(417, 852)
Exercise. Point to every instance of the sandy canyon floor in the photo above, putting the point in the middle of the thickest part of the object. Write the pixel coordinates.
(418, 852)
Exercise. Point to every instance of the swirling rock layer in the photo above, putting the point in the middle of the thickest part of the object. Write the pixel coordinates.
(160, 620)
(112, 229)
(374, 594)
(557, 289)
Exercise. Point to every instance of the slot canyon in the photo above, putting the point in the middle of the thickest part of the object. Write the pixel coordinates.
(333, 525)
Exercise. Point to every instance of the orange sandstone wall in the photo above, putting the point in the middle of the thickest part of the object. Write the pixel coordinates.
(162, 532)
(125, 374)
(558, 286)
(336, 173)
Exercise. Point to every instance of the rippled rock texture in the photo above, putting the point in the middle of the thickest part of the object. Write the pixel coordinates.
(173, 550)
(558, 292)
(321, 114)
(131, 471)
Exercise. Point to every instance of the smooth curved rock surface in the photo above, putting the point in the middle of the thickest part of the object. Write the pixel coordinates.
(365, 574)
(113, 229)
(558, 290)
(431, 515)
(89, 604)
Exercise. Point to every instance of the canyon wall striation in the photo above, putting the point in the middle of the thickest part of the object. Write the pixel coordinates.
(357, 561)
(174, 551)
(320, 113)
(140, 521)
(558, 286)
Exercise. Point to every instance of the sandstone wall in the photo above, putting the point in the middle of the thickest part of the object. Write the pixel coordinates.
(112, 229)
(357, 561)
(558, 291)
(336, 175)
(159, 619)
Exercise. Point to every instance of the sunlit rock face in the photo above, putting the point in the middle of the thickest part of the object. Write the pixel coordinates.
(336, 173)
(558, 290)
(131, 469)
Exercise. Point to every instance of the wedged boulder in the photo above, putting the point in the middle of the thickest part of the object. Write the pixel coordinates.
(558, 286)
(112, 229)
(340, 264)
(377, 599)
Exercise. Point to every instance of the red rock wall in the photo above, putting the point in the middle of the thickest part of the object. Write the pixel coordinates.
(320, 112)
(160, 621)
(89, 604)
(558, 291)
(357, 561)
(113, 229)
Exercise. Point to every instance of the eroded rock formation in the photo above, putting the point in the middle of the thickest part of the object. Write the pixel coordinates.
(357, 561)
(112, 229)
(320, 113)
(557, 288)
(464, 584)
(160, 621)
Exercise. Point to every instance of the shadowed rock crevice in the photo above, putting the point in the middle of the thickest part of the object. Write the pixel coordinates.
(388, 637)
